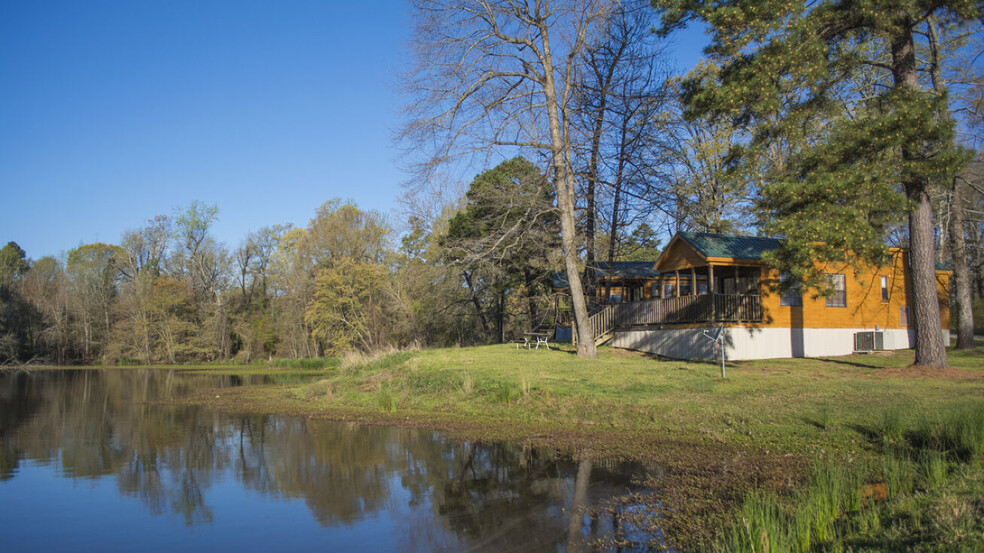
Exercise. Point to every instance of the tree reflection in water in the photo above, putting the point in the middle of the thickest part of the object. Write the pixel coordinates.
(434, 492)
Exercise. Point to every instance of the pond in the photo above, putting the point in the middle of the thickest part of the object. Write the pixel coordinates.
(91, 460)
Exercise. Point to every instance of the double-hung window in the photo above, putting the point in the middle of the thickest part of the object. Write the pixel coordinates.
(838, 286)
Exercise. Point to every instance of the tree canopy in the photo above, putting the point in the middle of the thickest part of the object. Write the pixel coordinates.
(850, 161)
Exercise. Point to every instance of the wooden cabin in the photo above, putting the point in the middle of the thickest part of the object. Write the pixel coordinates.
(704, 280)
(616, 283)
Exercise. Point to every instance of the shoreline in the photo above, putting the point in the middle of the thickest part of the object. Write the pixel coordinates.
(719, 442)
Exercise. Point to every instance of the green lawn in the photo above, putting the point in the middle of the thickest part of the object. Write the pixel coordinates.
(788, 405)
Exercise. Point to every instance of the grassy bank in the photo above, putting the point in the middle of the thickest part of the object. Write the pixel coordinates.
(770, 439)
(784, 406)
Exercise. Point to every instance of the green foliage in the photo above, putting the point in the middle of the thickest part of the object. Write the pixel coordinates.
(507, 217)
(347, 305)
(13, 263)
(829, 134)
(342, 231)
(385, 400)
(641, 245)
(503, 238)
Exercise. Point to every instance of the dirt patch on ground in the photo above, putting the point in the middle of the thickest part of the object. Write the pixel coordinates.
(919, 371)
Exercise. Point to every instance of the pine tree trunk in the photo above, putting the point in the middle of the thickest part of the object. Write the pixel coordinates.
(963, 307)
(925, 309)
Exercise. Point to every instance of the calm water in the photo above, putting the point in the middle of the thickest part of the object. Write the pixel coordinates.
(88, 463)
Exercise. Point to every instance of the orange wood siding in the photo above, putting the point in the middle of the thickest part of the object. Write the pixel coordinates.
(680, 256)
(865, 307)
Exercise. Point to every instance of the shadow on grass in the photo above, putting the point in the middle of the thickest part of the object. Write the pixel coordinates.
(813, 422)
(849, 363)
(873, 436)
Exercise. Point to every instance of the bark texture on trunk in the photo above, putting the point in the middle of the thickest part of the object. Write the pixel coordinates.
(963, 308)
(925, 309)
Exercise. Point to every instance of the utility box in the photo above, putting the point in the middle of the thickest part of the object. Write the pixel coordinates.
(869, 341)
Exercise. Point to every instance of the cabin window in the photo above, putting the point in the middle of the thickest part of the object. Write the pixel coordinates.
(791, 293)
(686, 287)
(668, 290)
(838, 285)
(904, 315)
(654, 290)
(615, 297)
(884, 286)
(702, 287)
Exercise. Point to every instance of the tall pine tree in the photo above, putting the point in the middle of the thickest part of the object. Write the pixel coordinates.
(853, 160)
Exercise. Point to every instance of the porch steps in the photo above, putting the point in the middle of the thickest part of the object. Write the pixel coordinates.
(602, 324)
(604, 338)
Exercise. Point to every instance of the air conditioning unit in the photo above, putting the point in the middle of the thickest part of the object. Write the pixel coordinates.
(869, 341)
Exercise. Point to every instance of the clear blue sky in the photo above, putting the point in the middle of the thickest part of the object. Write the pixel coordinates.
(112, 112)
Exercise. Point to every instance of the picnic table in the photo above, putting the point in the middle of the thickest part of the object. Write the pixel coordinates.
(529, 337)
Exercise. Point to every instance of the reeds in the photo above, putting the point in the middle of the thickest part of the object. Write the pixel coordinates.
(919, 458)
(308, 364)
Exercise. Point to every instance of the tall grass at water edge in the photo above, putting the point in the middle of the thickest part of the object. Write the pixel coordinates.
(308, 364)
(839, 501)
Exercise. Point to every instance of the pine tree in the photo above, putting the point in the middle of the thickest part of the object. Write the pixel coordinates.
(853, 160)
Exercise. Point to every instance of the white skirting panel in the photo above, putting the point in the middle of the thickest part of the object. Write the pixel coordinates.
(755, 343)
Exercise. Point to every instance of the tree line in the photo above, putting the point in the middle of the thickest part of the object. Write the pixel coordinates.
(840, 128)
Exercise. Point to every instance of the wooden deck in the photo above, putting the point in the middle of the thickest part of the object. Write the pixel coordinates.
(717, 308)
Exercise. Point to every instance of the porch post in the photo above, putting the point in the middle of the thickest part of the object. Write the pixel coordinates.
(677, 286)
(693, 281)
(710, 289)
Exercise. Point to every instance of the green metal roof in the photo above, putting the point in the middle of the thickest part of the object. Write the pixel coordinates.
(620, 269)
(728, 245)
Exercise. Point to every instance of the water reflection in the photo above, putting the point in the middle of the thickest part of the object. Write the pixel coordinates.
(396, 489)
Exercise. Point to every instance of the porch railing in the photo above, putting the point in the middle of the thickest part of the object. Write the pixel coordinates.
(605, 320)
(721, 308)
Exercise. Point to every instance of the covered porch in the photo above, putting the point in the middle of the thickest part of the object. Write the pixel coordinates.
(706, 295)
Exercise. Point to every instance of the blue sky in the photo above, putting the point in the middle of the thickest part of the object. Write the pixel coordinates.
(112, 112)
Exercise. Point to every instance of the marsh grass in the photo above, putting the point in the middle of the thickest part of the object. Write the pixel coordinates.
(500, 391)
(933, 469)
(311, 363)
(959, 431)
(823, 417)
(315, 390)
(919, 466)
(898, 472)
(466, 385)
(892, 425)
(761, 526)
(385, 401)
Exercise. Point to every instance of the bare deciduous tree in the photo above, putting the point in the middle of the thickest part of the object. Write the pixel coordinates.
(501, 74)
